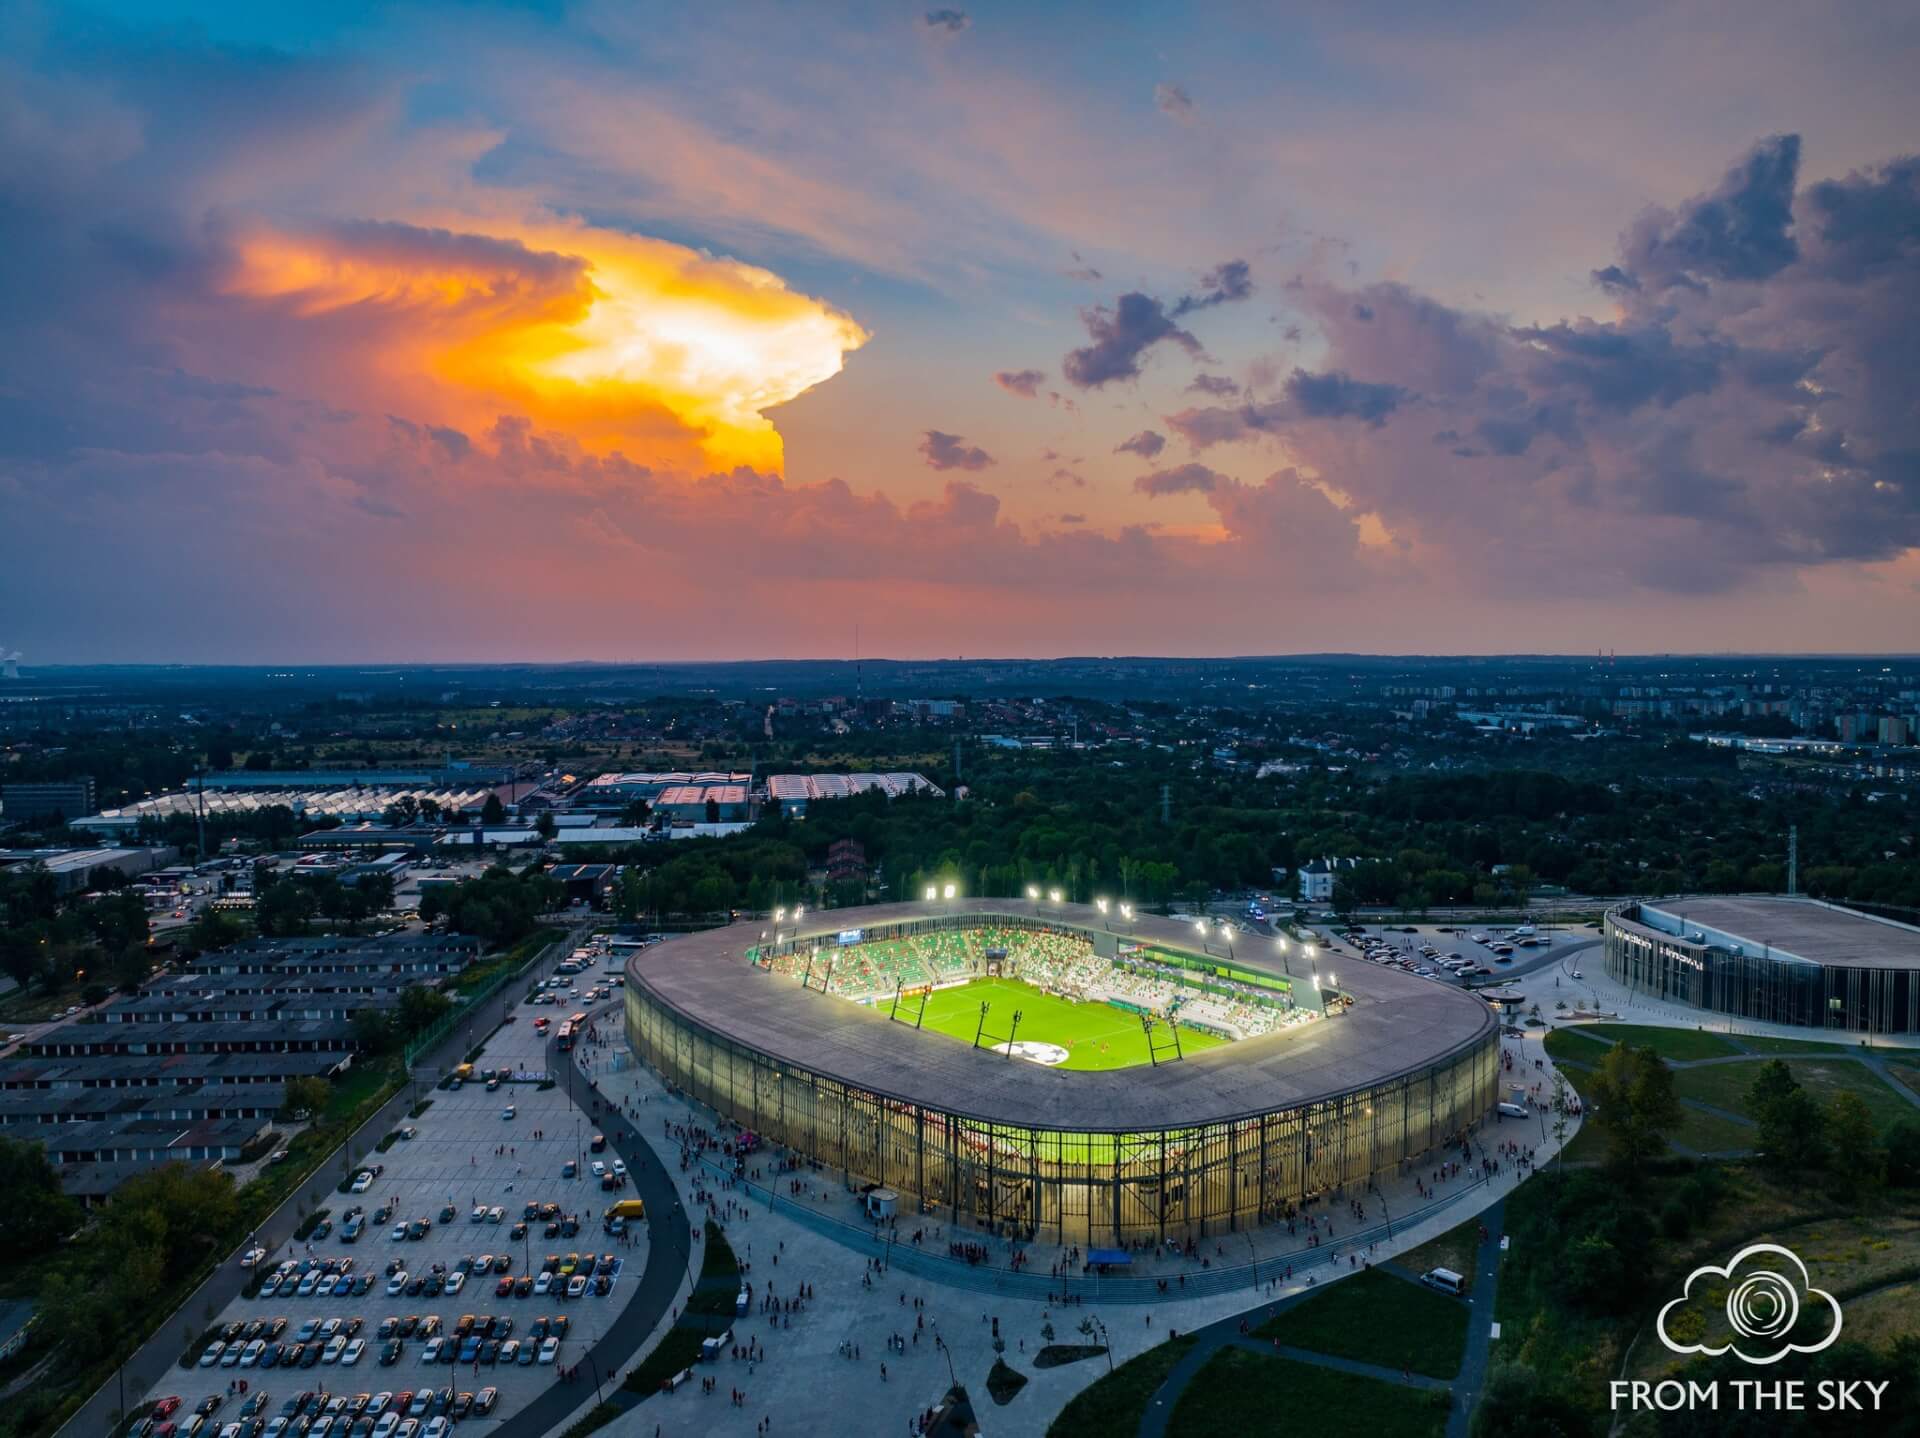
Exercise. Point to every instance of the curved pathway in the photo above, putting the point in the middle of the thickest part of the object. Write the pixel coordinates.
(669, 1258)
(1465, 1386)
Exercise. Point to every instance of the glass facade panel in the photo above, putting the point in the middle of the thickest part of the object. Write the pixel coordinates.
(1089, 1186)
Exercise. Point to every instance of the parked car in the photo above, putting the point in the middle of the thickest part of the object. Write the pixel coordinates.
(353, 1352)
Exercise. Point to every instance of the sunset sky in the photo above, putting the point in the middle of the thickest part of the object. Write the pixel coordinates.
(350, 331)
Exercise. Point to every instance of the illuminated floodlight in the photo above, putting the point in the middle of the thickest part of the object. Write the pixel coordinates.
(1053, 895)
(1200, 925)
(932, 893)
(798, 910)
(779, 916)
(1126, 911)
(1281, 942)
(1333, 980)
(1101, 905)
(1033, 892)
(1316, 983)
(952, 889)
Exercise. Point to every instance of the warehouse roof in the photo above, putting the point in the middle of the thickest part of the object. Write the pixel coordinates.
(1793, 928)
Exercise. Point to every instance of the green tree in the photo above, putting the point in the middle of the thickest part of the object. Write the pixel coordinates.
(1859, 1164)
(545, 826)
(372, 1031)
(1635, 1107)
(1519, 1403)
(493, 811)
(212, 931)
(308, 1093)
(421, 1007)
(1792, 1129)
(1903, 1153)
(38, 1214)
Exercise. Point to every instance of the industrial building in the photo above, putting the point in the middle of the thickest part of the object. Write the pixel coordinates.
(793, 792)
(712, 803)
(194, 1067)
(1782, 960)
(65, 798)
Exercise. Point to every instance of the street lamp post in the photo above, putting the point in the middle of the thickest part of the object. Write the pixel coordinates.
(1101, 905)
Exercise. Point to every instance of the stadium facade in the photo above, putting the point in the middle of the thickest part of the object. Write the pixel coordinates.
(1784, 961)
(1219, 1141)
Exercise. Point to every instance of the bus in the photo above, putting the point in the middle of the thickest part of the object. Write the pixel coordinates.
(577, 1022)
(566, 1036)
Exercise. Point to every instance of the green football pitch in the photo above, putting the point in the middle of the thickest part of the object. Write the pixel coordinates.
(1095, 1035)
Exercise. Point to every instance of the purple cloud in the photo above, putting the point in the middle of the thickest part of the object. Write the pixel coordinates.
(1023, 382)
(952, 21)
(1223, 284)
(1184, 479)
(1120, 336)
(1173, 102)
(950, 451)
(1146, 444)
(1217, 385)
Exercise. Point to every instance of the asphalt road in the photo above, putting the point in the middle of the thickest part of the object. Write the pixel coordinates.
(668, 1258)
(99, 1415)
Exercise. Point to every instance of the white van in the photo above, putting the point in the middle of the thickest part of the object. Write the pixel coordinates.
(1513, 1110)
(1446, 1280)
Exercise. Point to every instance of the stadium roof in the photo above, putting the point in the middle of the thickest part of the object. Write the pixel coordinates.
(1798, 928)
(1397, 1024)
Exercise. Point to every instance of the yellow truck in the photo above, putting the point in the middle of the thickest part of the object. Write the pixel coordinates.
(619, 1215)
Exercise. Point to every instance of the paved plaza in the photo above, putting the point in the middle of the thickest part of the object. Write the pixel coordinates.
(863, 1343)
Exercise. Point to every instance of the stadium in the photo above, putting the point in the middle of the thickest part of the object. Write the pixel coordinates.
(1786, 961)
(1039, 1071)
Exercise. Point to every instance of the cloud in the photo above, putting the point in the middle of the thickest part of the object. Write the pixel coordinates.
(952, 21)
(1025, 382)
(1120, 336)
(1741, 230)
(1146, 444)
(1306, 397)
(1217, 385)
(1224, 284)
(1071, 518)
(1185, 479)
(950, 451)
(1173, 102)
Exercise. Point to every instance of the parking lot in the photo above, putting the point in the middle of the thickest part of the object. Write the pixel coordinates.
(1495, 952)
(466, 1155)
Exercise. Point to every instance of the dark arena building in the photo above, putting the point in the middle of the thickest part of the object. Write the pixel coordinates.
(1787, 961)
(1118, 1081)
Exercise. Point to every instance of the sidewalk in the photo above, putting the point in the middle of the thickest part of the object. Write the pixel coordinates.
(820, 1359)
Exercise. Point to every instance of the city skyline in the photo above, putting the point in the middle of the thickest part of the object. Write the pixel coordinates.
(427, 333)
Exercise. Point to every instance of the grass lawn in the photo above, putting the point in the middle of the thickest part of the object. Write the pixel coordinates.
(1579, 1044)
(1907, 1074)
(1456, 1249)
(1765, 1044)
(1680, 1044)
(1239, 1392)
(1095, 1035)
(1377, 1318)
(1115, 1404)
(1710, 1133)
(1726, 1085)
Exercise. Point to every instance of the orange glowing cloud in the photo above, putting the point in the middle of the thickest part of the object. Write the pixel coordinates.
(619, 341)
